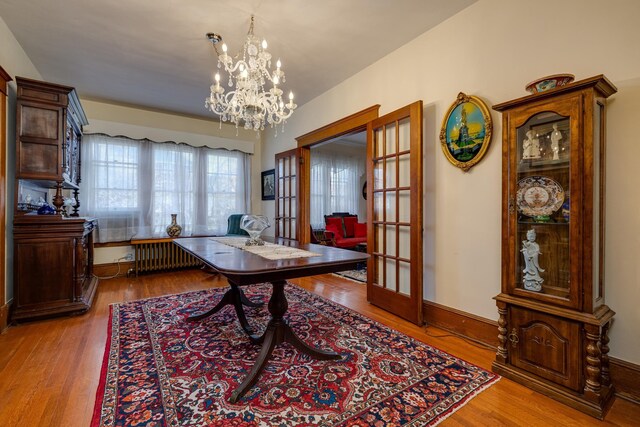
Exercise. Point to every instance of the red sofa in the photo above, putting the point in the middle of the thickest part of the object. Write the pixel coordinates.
(344, 230)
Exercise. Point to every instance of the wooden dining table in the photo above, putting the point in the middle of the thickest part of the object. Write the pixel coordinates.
(243, 268)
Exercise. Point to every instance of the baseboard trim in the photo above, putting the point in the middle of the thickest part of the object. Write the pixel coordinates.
(467, 325)
(103, 271)
(625, 376)
(4, 316)
(108, 271)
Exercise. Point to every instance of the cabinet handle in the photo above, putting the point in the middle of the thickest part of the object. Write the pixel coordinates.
(513, 337)
(512, 205)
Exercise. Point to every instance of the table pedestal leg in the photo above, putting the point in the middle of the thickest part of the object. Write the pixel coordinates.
(278, 331)
(234, 296)
(246, 301)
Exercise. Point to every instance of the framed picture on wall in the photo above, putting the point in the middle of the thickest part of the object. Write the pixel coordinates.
(466, 131)
(269, 185)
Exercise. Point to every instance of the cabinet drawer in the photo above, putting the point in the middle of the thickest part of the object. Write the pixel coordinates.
(546, 345)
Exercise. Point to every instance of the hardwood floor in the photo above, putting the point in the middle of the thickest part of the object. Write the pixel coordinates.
(49, 370)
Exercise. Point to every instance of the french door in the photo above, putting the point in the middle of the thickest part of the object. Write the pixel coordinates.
(291, 192)
(394, 202)
(394, 222)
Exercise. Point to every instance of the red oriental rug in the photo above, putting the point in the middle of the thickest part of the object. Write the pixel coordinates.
(160, 370)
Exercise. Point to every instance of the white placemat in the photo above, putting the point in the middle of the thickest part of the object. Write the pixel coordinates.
(269, 251)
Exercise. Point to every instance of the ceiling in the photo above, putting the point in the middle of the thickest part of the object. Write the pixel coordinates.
(154, 54)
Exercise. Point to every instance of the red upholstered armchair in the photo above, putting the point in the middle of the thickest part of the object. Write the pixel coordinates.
(344, 230)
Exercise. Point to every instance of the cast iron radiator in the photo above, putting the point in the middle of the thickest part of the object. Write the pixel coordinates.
(161, 255)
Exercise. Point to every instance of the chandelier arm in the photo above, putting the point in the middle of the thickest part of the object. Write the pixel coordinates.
(233, 68)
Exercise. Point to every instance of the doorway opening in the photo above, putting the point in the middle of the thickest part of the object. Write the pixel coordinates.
(337, 202)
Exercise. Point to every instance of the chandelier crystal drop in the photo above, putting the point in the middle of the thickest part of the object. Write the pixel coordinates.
(248, 101)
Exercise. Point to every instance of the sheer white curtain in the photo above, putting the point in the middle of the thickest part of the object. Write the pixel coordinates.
(133, 187)
(335, 185)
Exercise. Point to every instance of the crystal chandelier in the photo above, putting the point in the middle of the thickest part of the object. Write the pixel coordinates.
(248, 100)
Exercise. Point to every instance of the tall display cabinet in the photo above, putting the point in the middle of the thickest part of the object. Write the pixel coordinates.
(553, 321)
(53, 254)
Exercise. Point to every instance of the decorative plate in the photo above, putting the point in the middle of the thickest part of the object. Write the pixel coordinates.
(549, 82)
(539, 196)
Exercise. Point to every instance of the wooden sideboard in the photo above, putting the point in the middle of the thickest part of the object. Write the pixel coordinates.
(53, 266)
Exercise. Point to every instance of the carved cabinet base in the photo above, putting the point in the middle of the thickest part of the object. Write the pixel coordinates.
(560, 353)
(53, 266)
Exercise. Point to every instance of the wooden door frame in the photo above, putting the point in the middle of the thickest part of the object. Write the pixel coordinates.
(4, 308)
(356, 122)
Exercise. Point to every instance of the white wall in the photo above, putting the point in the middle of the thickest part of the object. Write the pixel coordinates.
(15, 62)
(492, 50)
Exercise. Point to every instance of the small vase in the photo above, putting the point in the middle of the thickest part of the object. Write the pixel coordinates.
(173, 229)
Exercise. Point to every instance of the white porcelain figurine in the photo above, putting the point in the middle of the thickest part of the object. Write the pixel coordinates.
(530, 250)
(68, 203)
(530, 146)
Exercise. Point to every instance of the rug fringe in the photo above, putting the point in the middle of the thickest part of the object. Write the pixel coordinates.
(466, 400)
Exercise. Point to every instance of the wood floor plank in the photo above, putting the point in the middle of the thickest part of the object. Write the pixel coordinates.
(49, 370)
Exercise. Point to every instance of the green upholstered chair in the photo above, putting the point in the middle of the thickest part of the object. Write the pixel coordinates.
(233, 225)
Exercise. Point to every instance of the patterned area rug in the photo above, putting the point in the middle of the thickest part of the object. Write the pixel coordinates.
(160, 370)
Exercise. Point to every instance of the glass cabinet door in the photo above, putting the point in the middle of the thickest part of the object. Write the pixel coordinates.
(541, 195)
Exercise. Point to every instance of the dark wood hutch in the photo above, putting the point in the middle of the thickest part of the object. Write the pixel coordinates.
(53, 254)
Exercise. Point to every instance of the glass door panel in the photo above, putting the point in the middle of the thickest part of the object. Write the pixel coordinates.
(404, 136)
(404, 206)
(404, 166)
(403, 270)
(404, 242)
(542, 200)
(390, 166)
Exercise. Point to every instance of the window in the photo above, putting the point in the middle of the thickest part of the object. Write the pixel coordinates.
(133, 187)
(116, 170)
(223, 183)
